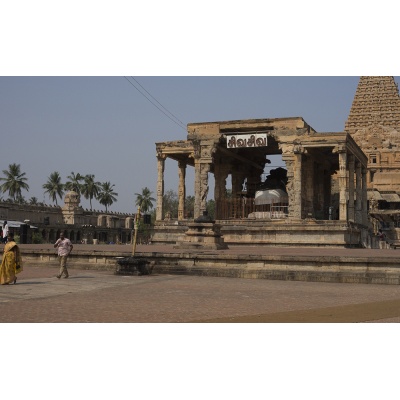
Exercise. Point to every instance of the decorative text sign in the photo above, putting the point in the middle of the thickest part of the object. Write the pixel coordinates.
(253, 140)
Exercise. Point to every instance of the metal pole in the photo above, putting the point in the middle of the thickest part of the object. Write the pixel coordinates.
(137, 218)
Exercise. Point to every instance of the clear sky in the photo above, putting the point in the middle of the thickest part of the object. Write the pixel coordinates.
(104, 126)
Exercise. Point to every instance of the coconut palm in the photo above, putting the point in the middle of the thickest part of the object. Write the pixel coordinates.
(33, 201)
(14, 181)
(90, 188)
(74, 182)
(106, 195)
(54, 187)
(144, 200)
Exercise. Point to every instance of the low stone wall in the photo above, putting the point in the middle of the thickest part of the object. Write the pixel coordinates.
(378, 270)
(276, 233)
(296, 268)
(78, 259)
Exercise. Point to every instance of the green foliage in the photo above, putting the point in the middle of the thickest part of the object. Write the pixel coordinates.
(144, 232)
(14, 182)
(90, 188)
(37, 238)
(144, 200)
(33, 201)
(211, 208)
(189, 206)
(74, 182)
(170, 201)
(54, 187)
(107, 196)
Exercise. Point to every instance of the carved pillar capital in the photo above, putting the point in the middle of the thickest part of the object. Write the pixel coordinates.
(340, 148)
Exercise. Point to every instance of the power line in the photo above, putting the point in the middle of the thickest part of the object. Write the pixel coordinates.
(169, 112)
(179, 123)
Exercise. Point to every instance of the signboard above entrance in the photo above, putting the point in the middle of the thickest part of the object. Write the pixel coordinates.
(251, 140)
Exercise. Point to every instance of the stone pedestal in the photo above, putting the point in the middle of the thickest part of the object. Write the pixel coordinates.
(133, 266)
(202, 235)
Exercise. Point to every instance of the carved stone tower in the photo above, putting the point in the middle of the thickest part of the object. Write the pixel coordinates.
(374, 123)
(71, 209)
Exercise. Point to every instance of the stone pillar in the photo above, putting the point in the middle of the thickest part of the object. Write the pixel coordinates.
(359, 194)
(342, 185)
(310, 188)
(220, 176)
(238, 177)
(253, 179)
(197, 187)
(203, 158)
(364, 209)
(351, 214)
(160, 187)
(197, 158)
(181, 190)
(288, 158)
(204, 170)
(297, 183)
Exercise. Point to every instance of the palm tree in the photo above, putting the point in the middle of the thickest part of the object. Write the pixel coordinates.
(106, 195)
(54, 187)
(33, 201)
(144, 200)
(74, 182)
(14, 181)
(21, 200)
(90, 189)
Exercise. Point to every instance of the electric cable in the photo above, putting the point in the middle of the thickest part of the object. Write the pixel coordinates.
(180, 123)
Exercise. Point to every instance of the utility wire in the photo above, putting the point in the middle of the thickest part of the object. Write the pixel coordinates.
(179, 123)
(169, 112)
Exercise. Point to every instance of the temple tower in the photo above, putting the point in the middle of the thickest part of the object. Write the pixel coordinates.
(72, 211)
(376, 101)
(374, 123)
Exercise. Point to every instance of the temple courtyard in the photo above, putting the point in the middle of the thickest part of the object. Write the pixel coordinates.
(98, 295)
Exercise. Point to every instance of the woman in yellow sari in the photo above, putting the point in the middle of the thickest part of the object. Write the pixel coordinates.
(11, 264)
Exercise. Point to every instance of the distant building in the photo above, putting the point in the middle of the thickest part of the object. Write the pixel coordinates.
(79, 225)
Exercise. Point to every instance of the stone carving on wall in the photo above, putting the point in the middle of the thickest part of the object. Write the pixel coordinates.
(377, 137)
(286, 148)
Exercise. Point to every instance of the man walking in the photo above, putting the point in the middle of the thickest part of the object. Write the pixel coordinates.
(64, 249)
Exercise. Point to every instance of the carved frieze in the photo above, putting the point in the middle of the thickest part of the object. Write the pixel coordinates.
(377, 137)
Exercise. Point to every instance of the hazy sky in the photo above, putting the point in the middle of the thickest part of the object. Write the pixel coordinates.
(104, 126)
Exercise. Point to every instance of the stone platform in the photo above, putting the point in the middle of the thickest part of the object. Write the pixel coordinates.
(274, 263)
(277, 233)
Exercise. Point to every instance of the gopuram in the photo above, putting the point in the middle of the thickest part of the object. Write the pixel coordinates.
(318, 199)
(374, 123)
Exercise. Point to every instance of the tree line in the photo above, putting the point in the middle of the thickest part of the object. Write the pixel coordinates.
(14, 181)
(171, 202)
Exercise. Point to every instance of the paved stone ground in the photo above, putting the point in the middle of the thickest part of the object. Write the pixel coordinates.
(101, 296)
